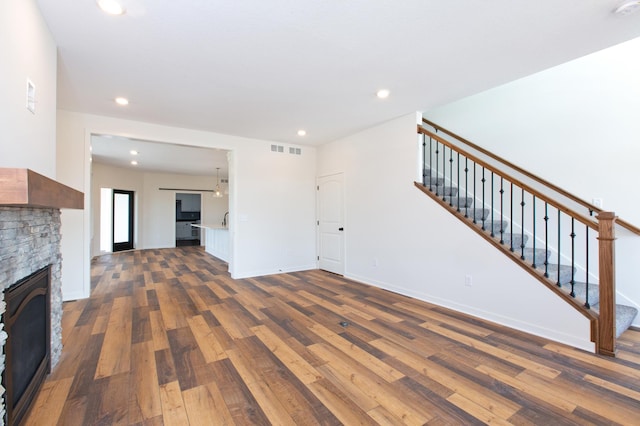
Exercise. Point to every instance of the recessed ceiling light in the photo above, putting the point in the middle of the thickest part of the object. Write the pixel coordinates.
(134, 163)
(133, 152)
(302, 132)
(122, 101)
(382, 94)
(112, 7)
(627, 8)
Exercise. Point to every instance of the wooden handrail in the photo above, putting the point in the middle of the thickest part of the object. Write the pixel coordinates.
(581, 218)
(530, 175)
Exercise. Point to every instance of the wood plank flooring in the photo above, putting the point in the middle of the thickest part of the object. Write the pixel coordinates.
(167, 337)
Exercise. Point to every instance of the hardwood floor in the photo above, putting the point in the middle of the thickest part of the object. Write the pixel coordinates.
(167, 337)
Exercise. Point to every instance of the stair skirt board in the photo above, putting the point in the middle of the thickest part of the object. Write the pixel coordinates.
(474, 216)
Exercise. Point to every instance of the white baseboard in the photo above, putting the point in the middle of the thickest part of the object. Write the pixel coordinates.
(259, 273)
(73, 295)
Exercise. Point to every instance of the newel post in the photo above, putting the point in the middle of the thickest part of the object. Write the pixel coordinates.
(606, 344)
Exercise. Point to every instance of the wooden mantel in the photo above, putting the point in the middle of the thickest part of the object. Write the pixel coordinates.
(26, 188)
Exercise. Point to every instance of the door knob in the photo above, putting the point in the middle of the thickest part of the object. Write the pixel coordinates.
(340, 229)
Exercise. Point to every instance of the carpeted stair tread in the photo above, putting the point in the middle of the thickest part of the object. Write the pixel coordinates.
(478, 214)
(579, 289)
(464, 201)
(495, 225)
(444, 190)
(624, 317)
(433, 181)
(566, 272)
(541, 255)
(516, 238)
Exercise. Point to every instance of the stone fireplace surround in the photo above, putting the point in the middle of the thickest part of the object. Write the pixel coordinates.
(30, 240)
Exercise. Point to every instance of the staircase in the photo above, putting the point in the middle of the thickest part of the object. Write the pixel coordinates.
(483, 197)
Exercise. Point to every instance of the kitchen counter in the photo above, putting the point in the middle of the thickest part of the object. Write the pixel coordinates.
(216, 240)
(206, 226)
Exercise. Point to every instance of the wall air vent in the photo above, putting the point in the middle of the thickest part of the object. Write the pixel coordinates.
(277, 148)
(295, 151)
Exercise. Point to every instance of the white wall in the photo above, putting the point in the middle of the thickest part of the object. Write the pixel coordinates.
(425, 252)
(583, 113)
(577, 126)
(74, 169)
(271, 200)
(28, 52)
(28, 139)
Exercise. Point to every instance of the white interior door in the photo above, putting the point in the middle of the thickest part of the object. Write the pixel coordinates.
(331, 223)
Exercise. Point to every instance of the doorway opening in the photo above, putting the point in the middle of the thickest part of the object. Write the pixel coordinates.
(188, 213)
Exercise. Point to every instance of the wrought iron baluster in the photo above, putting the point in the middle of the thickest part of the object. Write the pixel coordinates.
(559, 235)
(533, 218)
(424, 159)
(444, 172)
(451, 176)
(437, 175)
(501, 209)
(466, 186)
(483, 180)
(511, 215)
(546, 239)
(573, 260)
(430, 163)
(458, 170)
(474, 189)
(522, 204)
(586, 273)
(493, 234)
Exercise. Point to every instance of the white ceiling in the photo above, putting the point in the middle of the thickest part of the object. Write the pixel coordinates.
(158, 157)
(265, 69)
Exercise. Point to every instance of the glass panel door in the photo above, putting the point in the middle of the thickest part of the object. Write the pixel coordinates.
(122, 220)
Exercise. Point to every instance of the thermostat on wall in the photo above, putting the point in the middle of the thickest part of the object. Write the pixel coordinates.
(31, 96)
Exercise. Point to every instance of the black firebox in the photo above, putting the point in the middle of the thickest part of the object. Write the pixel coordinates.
(27, 322)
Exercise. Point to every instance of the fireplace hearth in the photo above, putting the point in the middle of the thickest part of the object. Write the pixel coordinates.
(28, 345)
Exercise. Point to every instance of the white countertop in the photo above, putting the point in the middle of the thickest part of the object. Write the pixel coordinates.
(209, 226)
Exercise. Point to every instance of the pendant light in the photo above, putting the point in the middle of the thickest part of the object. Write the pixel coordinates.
(217, 193)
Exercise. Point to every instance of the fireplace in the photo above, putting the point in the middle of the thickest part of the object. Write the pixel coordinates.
(30, 244)
(28, 345)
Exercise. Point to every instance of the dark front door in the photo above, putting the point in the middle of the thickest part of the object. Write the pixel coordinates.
(122, 220)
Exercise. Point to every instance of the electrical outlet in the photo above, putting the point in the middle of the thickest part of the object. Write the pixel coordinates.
(468, 280)
(597, 202)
